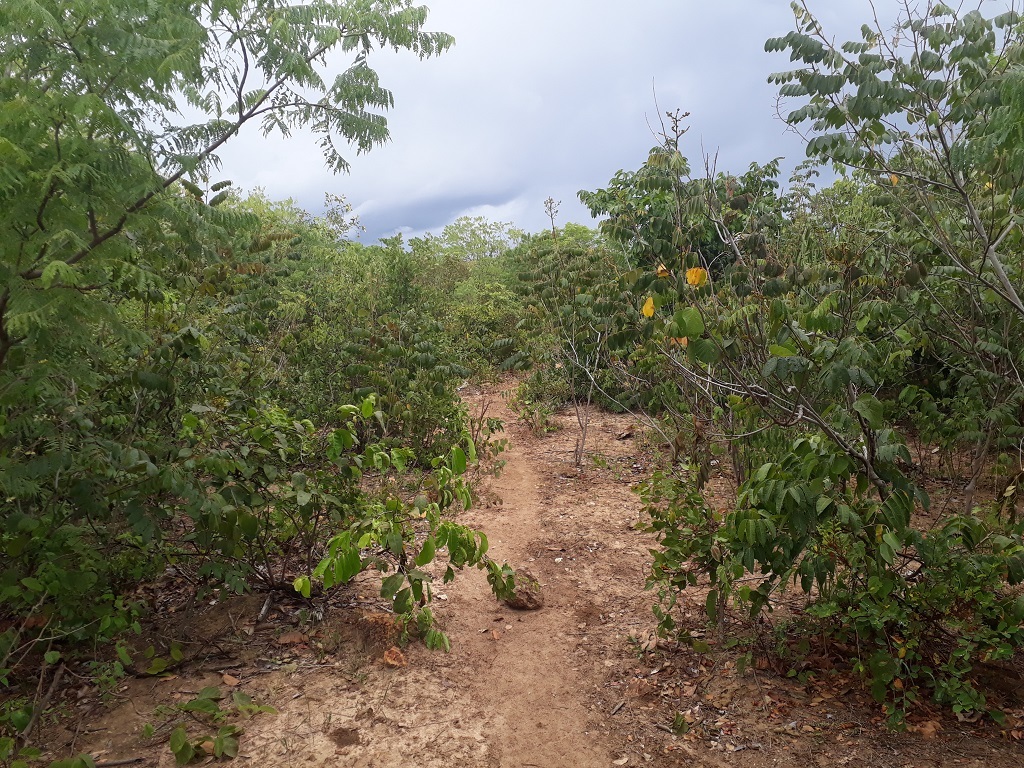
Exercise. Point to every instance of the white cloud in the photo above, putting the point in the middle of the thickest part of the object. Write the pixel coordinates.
(543, 98)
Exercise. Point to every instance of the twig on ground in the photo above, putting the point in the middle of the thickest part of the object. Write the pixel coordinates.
(43, 705)
(265, 610)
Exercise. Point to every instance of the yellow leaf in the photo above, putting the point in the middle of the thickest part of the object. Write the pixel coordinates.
(662, 271)
(696, 276)
(648, 309)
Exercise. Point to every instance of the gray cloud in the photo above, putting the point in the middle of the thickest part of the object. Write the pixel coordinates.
(542, 98)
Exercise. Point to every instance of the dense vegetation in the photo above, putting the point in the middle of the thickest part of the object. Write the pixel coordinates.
(234, 388)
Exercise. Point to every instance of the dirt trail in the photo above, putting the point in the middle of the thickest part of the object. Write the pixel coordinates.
(561, 686)
(522, 665)
(518, 688)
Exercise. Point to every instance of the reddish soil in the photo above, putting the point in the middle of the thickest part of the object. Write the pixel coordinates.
(580, 682)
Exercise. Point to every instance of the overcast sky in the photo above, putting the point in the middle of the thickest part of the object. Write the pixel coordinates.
(543, 98)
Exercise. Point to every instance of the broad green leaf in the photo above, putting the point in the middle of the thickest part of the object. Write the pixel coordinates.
(690, 323)
(426, 554)
(368, 407)
(391, 585)
(869, 407)
(458, 460)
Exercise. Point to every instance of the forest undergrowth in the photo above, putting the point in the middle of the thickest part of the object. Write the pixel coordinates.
(209, 393)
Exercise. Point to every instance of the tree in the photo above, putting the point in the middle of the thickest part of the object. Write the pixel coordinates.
(473, 238)
(129, 298)
(94, 142)
(805, 347)
(933, 112)
(936, 108)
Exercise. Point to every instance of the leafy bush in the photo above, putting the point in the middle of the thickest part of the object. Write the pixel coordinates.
(813, 332)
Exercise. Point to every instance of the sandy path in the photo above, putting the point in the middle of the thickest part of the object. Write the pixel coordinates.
(518, 689)
(531, 685)
(557, 687)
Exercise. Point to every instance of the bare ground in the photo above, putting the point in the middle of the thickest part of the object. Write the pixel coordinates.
(580, 682)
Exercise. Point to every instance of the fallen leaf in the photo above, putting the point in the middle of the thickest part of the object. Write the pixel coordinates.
(394, 657)
(928, 729)
(292, 638)
(229, 680)
(621, 761)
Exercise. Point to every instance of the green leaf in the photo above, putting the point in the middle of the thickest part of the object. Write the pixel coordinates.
(711, 604)
(181, 746)
(703, 350)
(123, 655)
(230, 746)
(886, 552)
(690, 322)
(58, 271)
(869, 407)
(403, 601)
(249, 525)
(303, 586)
(391, 585)
(33, 585)
(201, 705)
(889, 538)
(458, 460)
(780, 351)
(368, 407)
(426, 552)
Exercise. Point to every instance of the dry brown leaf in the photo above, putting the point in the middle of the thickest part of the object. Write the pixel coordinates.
(928, 729)
(394, 657)
(229, 680)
